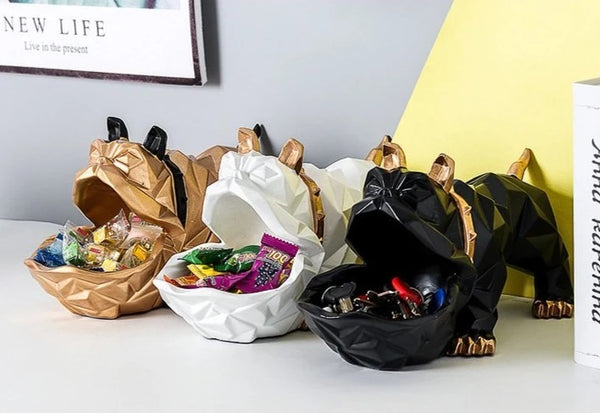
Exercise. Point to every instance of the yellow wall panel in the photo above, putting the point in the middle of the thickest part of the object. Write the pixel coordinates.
(498, 79)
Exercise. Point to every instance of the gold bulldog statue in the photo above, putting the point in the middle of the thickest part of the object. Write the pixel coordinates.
(163, 187)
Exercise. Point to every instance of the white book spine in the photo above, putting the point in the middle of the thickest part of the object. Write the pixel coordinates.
(586, 221)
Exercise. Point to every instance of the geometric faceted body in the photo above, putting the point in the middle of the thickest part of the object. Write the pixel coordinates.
(341, 187)
(162, 187)
(255, 194)
(104, 295)
(409, 226)
(366, 340)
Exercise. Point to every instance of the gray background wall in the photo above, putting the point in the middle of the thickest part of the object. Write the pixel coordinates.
(336, 74)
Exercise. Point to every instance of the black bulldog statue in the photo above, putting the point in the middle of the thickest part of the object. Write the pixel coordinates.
(435, 251)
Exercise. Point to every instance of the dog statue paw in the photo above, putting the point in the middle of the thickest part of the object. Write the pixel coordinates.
(473, 344)
(552, 309)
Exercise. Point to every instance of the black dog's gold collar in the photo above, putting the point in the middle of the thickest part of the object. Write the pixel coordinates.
(469, 234)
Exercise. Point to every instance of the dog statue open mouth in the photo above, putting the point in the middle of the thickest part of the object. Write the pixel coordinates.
(432, 230)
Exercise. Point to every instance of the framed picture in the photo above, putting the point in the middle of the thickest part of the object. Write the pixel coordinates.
(145, 40)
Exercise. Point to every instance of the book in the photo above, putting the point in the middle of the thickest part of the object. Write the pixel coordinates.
(586, 220)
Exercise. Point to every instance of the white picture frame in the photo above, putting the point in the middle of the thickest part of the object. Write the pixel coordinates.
(143, 40)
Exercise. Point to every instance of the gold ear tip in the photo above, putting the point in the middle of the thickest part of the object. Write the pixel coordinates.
(244, 133)
(293, 143)
(444, 159)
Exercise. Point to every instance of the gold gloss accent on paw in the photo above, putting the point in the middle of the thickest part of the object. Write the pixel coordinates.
(545, 309)
(467, 346)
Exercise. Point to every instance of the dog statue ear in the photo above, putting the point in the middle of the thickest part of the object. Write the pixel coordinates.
(291, 155)
(375, 155)
(248, 139)
(258, 130)
(156, 142)
(387, 155)
(116, 129)
(442, 171)
(392, 156)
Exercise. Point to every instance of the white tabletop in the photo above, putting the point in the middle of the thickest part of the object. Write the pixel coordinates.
(52, 360)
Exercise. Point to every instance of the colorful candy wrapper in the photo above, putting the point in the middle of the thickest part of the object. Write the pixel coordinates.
(141, 231)
(270, 265)
(273, 257)
(82, 234)
(201, 270)
(207, 256)
(72, 251)
(51, 256)
(187, 281)
(241, 260)
(101, 249)
(100, 234)
(113, 232)
(222, 282)
(113, 254)
(136, 255)
(95, 254)
(285, 274)
(109, 265)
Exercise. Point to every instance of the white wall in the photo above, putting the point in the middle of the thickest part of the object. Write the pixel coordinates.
(336, 74)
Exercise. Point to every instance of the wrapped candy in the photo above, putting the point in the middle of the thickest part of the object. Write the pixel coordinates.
(94, 254)
(241, 260)
(273, 257)
(285, 274)
(245, 270)
(141, 232)
(202, 271)
(114, 246)
(113, 232)
(109, 265)
(222, 282)
(207, 255)
(72, 251)
(52, 255)
(186, 281)
(82, 234)
(136, 254)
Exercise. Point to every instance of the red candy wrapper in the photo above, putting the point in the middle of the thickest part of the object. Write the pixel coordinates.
(187, 281)
(271, 260)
